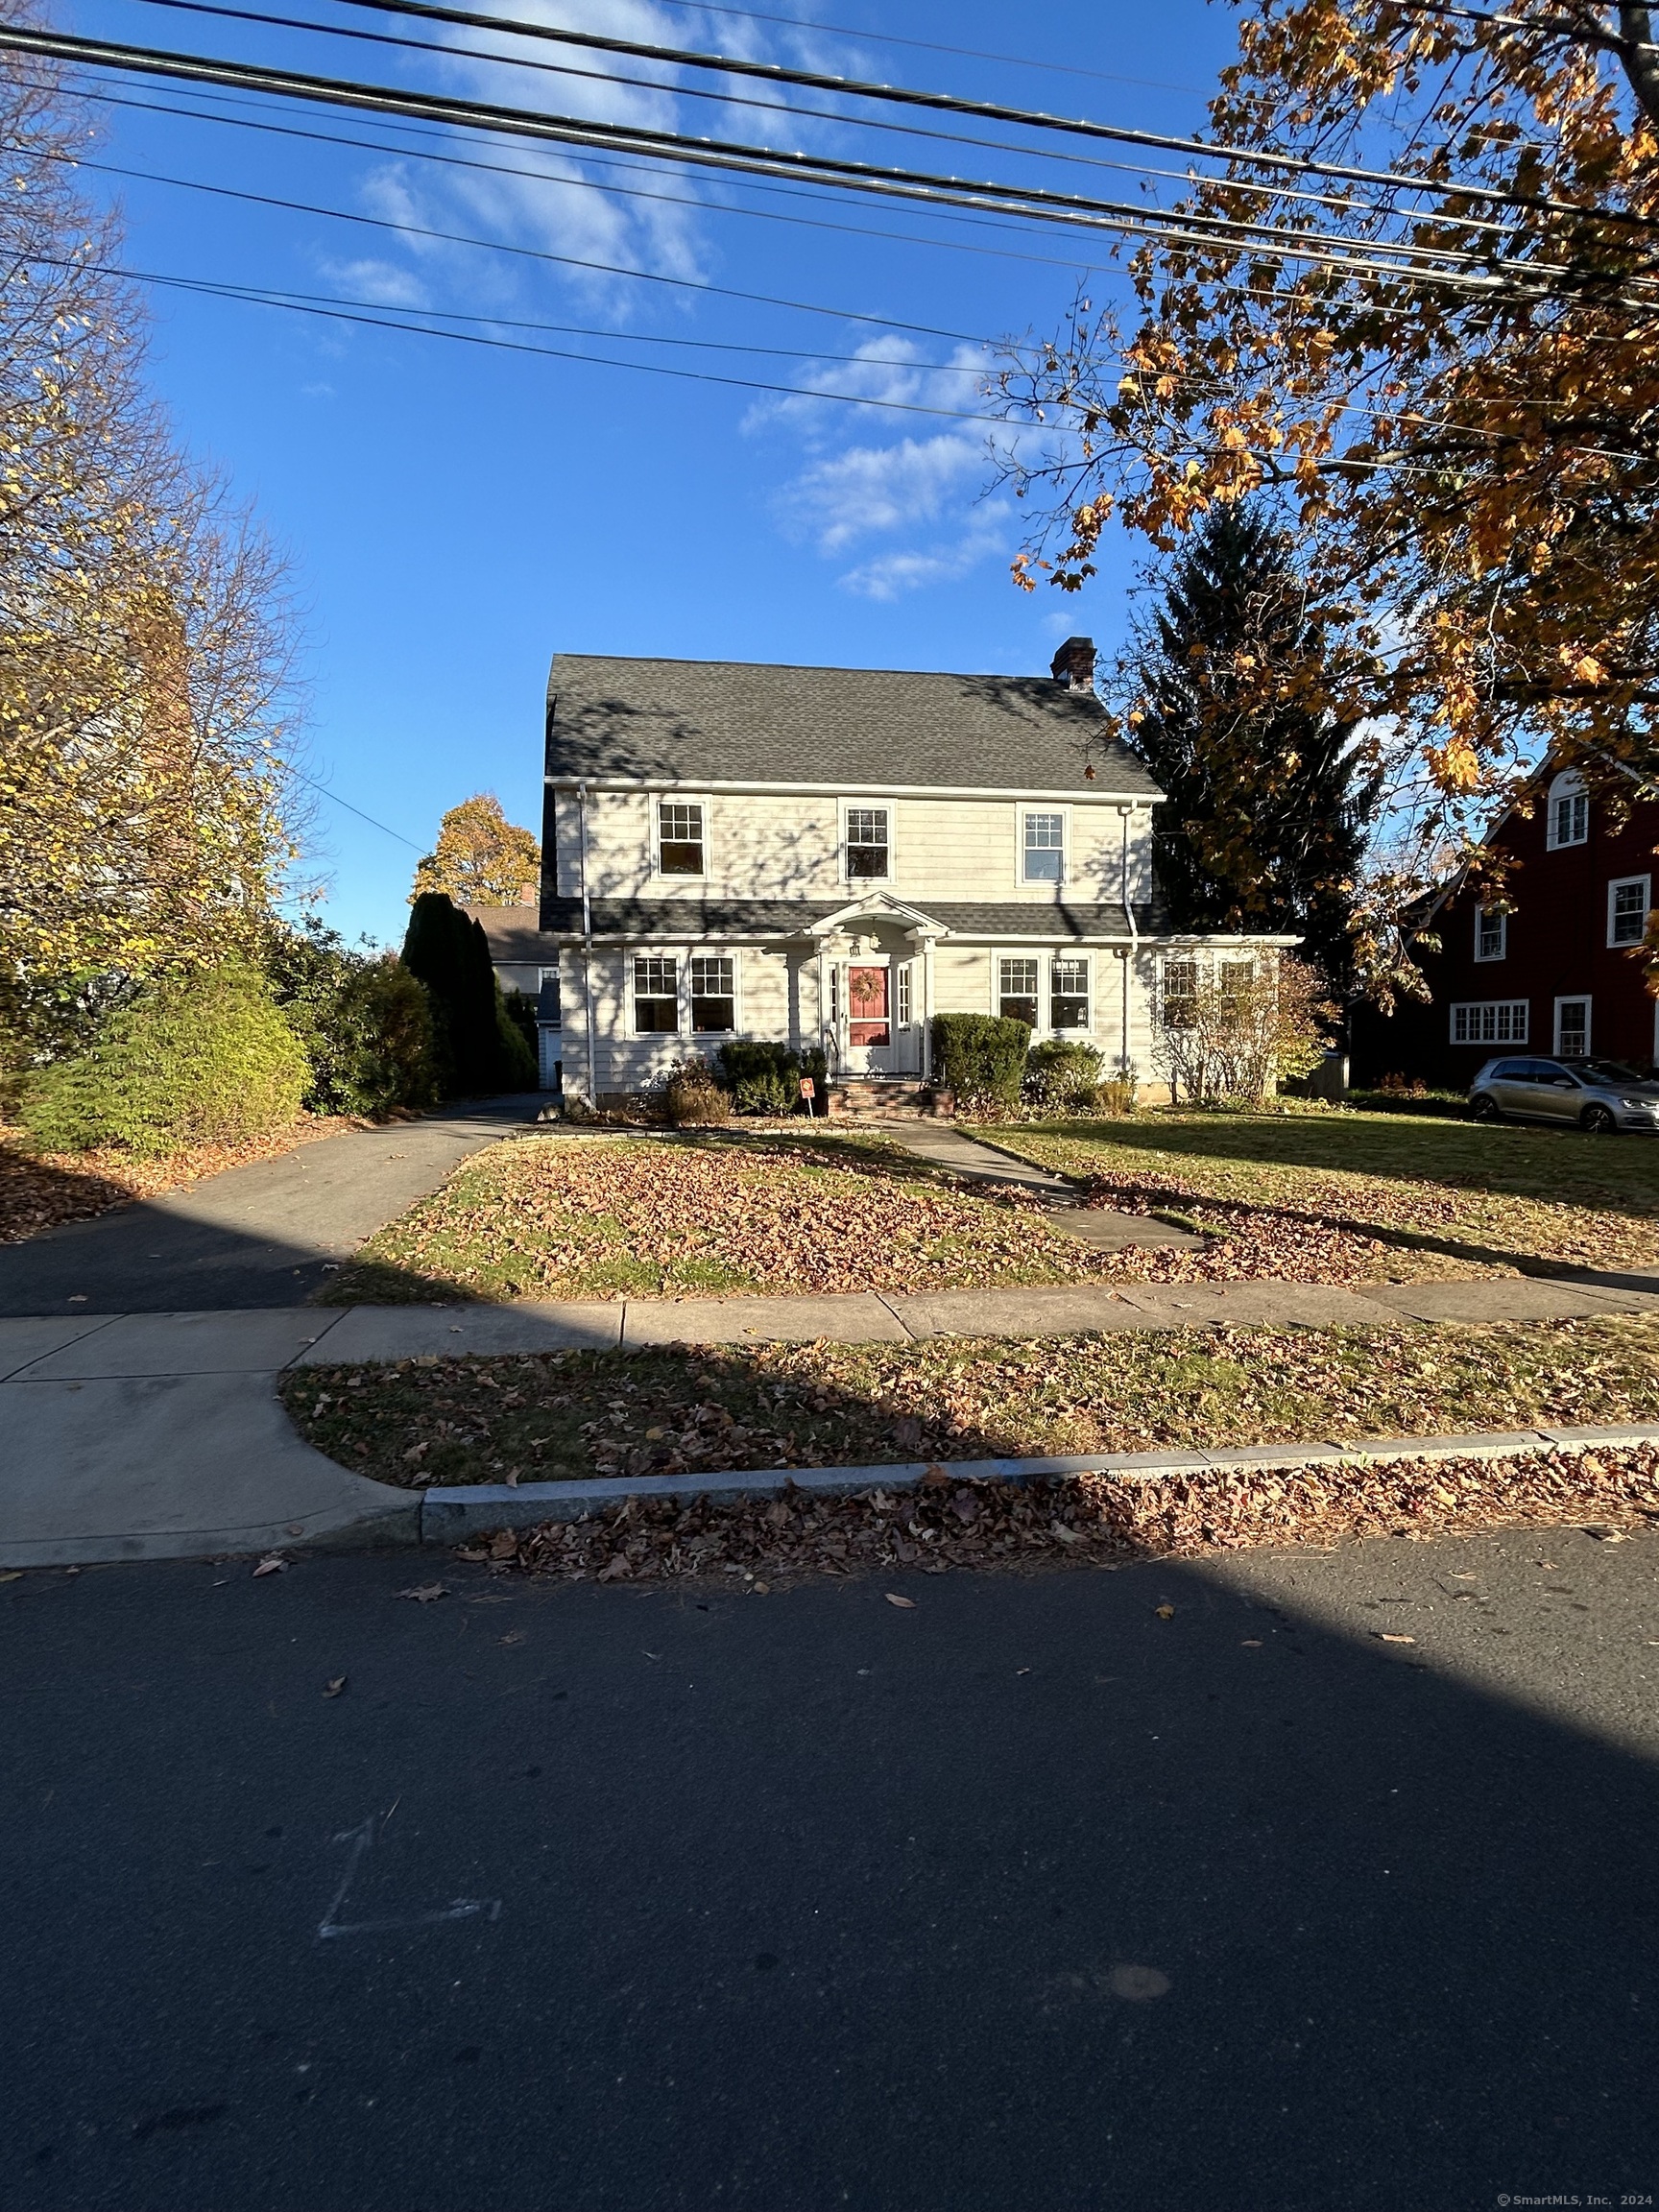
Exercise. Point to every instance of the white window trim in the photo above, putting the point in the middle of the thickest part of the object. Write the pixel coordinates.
(867, 807)
(661, 799)
(1037, 806)
(1480, 1006)
(1569, 785)
(1575, 998)
(903, 987)
(545, 975)
(714, 953)
(1623, 883)
(654, 953)
(1016, 952)
(1048, 1007)
(1502, 952)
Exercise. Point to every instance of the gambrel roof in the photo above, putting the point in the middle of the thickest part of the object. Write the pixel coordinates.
(704, 724)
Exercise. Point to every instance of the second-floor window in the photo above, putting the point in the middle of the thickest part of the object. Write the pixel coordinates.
(1017, 991)
(680, 836)
(1491, 934)
(713, 993)
(867, 841)
(656, 996)
(1067, 994)
(1045, 847)
(1569, 820)
(1628, 902)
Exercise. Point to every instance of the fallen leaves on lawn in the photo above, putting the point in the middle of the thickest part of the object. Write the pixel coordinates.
(1117, 1517)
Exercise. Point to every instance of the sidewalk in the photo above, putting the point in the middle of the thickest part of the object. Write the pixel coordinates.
(159, 1435)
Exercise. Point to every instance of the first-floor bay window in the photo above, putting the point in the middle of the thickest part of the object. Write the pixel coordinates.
(1068, 993)
(1017, 991)
(656, 995)
(714, 994)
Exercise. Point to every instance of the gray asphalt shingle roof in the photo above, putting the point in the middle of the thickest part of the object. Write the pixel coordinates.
(729, 918)
(698, 722)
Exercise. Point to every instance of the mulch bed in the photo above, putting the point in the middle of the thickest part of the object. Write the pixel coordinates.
(1091, 1519)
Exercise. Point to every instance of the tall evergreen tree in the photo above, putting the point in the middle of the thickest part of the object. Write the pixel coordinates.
(1267, 802)
(479, 1048)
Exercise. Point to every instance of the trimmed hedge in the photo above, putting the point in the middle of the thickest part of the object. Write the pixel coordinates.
(766, 1078)
(1063, 1071)
(198, 1059)
(980, 1056)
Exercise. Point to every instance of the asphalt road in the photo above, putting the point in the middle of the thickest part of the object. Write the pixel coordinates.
(1027, 1899)
(266, 1234)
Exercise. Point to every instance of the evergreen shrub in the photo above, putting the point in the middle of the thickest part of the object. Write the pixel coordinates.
(979, 1057)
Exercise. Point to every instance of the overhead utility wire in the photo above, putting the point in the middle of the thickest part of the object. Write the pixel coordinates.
(529, 253)
(989, 111)
(371, 313)
(1033, 202)
(351, 809)
(1332, 200)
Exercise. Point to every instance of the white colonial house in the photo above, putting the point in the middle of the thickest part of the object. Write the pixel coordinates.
(827, 858)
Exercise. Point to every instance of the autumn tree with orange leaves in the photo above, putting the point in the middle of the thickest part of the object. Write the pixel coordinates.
(1415, 306)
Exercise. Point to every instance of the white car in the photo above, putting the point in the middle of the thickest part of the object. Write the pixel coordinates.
(1600, 1095)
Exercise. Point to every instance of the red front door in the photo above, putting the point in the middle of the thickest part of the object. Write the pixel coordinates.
(867, 1008)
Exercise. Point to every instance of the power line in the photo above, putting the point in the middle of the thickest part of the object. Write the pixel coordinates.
(351, 809)
(1032, 203)
(538, 253)
(948, 103)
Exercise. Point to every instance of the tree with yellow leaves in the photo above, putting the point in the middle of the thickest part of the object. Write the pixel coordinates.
(147, 819)
(1413, 302)
(481, 858)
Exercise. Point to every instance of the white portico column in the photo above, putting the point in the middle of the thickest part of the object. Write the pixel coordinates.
(824, 1003)
(928, 1008)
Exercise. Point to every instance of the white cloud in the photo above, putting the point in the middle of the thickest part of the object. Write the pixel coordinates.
(869, 489)
(382, 283)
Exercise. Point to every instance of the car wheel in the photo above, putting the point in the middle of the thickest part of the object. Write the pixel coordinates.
(1600, 1121)
(1485, 1108)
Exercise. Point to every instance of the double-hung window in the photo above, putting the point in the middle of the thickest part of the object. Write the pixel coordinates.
(1628, 902)
(1017, 991)
(1491, 934)
(1569, 822)
(869, 851)
(1180, 994)
(656, 995)
(714, 994)
(1572, 1027)
(1045, 847)
(680, 836)
(1068, 993)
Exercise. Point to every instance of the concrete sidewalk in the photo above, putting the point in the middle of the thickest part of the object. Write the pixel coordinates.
(159, 1435)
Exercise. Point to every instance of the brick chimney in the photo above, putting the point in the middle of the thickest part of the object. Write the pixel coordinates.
(1074, 665)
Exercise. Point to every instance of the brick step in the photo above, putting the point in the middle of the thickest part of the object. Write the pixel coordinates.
(897, 1101)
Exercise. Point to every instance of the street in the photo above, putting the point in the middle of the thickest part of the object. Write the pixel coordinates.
(1027, 1895)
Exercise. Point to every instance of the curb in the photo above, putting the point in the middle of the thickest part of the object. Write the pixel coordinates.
(448, 1516)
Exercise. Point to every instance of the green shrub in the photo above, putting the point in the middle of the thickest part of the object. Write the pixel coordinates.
(365, 1021)
(979, 1057)
(766, 1078)
(522, 1013)
(692, 1099)
(204, 1058)
(1063, 1074)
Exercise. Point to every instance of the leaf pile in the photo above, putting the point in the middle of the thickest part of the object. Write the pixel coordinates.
(599, 1217)
(39, 1191)
(1350, 1197)
(707, 1409)
(1088, 1519)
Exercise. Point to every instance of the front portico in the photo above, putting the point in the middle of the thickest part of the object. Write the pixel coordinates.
(875, 986)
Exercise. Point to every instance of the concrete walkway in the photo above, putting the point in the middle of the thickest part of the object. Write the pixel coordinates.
(146, 1435)
(945, 1147)
(265, 1235)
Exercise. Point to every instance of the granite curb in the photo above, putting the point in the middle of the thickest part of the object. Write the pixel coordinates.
(449, 1516)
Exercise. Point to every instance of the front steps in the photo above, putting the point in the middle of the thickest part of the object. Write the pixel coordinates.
(878, 1098)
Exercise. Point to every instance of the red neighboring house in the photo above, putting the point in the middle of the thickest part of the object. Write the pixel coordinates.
(1556, 973)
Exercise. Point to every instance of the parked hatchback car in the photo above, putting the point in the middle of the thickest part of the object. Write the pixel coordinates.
(1601, 1095)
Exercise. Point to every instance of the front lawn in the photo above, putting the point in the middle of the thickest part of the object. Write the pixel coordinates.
(568, 1416)
(698, 1215)
(1349, 1197)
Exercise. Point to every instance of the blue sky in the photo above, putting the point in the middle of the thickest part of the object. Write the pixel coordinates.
(454, 514)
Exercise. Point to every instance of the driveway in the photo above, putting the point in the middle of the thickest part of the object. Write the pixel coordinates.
(266, 1234)
(1030, 1896)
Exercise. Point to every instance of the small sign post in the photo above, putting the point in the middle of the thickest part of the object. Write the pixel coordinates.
(808, 1092)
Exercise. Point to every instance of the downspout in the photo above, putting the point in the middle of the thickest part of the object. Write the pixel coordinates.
(586, 936)
(1133, 954)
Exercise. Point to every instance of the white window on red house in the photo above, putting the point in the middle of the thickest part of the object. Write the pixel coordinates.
(1068, 993)
(1572, 1027)
(714, 994)
(1569, 818)
(1628, 900)
(1490, 1021)
(656, 996)
(1017, 991)
(1491, 934)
